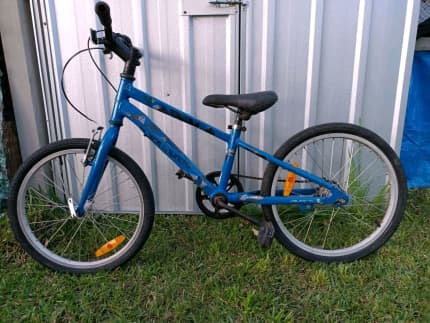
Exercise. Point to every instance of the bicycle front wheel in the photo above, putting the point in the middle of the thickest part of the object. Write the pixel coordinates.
(361, 164)
(117, 221)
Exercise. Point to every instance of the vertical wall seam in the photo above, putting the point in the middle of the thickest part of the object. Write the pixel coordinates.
(249, 43)
(400, 89)
(230, 54)
(310, 67)
(249, 73)
(140, 27)
(267, 45)
(357, 62)
(59, 105)
(229, 84)
(264, 36)
(263, 76)
(41, 53)
(186, 37)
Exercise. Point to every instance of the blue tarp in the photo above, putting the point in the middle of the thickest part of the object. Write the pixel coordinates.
(415, 151)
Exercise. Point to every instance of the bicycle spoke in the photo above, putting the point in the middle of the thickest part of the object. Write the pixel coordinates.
(121, 219)
(72, 168)
(331, 158)
(99, 204)
(74, 235)
(114, 180)
(351, 215)
(300, 220)
(309, 227)
(343, 169)
(333, 214)
(94, 222)
(112, 225)
(48, 226)
(43, 197)
(355, 179)
(313, 159)
(46, 243)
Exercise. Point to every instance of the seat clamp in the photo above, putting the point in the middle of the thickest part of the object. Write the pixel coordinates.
(241, 128)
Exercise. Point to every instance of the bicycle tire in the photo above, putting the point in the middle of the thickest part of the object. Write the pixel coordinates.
(41, 219)
(377, 200)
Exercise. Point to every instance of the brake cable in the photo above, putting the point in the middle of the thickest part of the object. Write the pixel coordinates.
(88, 49)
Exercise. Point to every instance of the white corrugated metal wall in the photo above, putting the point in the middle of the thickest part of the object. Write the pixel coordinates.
(328, 60)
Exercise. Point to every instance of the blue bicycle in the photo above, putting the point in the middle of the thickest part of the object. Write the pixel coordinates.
(333, 192)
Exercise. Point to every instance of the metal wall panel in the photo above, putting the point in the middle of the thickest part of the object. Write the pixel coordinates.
(328, 60)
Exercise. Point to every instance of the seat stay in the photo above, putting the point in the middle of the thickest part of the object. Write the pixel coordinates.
(337, 195)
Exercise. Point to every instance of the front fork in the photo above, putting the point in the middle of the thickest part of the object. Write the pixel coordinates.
(98, 164)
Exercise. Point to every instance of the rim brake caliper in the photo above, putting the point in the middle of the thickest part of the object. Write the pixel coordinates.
(90, 151)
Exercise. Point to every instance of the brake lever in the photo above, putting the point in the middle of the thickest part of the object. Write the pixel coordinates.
(94, 38)
(100, 41)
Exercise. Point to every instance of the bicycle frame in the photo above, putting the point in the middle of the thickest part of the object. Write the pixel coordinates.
(124, 109)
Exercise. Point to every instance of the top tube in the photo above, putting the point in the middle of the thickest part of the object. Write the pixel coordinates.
(156, 104)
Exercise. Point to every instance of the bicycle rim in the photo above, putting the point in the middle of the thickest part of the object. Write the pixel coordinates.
(115, 216)
(360, 168)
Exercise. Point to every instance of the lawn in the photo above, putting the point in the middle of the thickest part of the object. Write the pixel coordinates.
(199, 269)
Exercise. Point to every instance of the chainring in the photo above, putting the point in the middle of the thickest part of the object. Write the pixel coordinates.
(205, 204)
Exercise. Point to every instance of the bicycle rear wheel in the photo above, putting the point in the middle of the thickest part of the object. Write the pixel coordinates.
(117, 221)
(360, 163)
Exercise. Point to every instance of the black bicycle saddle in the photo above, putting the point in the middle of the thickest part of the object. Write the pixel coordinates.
(247, 104)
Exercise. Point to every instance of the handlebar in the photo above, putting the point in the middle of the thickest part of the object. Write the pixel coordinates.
(102, 10)
(120, 44)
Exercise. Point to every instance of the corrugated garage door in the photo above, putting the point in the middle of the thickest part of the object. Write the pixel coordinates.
(328, 60)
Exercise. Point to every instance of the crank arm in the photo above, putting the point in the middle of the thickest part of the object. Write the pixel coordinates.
(237, 212)
(266, 231)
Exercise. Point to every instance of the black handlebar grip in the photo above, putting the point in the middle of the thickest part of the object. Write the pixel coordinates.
(103, 11)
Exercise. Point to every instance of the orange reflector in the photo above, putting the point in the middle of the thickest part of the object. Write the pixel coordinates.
(110, 245)
(290, 180)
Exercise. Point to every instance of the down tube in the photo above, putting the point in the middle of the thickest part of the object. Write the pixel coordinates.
(162, 141)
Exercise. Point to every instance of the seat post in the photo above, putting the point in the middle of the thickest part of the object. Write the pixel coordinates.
(238, 123)
(237, 119)
(232, 145)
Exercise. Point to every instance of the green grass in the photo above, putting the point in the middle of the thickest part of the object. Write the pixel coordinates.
(198, 269)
